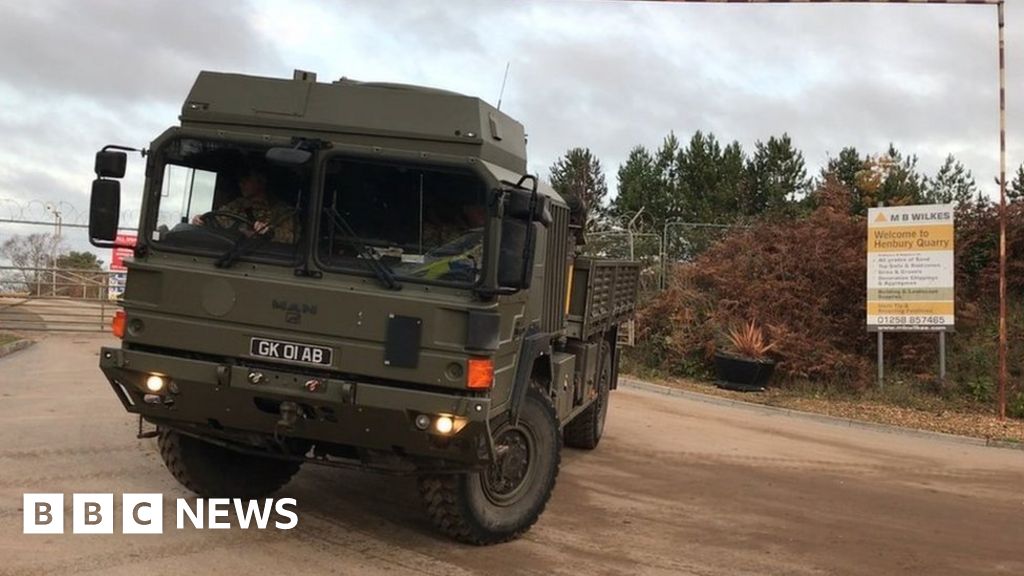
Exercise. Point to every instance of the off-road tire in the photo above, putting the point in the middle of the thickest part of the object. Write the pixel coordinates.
(585, 430)
(459, 504)
(214, 471)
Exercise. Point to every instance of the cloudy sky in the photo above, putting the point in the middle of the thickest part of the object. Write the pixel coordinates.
(607, 75)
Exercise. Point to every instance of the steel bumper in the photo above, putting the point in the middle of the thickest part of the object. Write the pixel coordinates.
(223, 399)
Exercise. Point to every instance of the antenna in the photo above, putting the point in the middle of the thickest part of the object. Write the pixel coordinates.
(503, 80)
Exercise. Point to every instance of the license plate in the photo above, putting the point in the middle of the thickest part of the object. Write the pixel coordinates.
(290, 352)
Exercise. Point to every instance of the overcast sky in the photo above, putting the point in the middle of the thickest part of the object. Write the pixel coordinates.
(77, 75)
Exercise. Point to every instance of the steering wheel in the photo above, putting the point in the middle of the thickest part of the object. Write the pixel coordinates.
(211, 220)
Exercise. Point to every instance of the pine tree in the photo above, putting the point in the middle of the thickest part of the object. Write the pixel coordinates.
(578, 173)
(952, 183)
(652, 182)
(845, 167)
(1015, 188)
(732, 179)
(666, 198)
(776, 177)
(699, 167)
(639, 186)
(889, 178)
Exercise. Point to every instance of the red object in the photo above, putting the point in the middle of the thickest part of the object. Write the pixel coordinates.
(125, 249)
(117, 324)
(481, 373)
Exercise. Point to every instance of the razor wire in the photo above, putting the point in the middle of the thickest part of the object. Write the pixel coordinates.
(55, 214)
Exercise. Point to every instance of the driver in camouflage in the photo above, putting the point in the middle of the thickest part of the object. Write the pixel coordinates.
(266, 214)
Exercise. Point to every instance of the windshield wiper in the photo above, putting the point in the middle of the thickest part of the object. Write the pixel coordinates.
(381, 270)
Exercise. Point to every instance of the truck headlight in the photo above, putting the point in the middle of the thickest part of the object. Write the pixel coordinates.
(155, 383)
(444, 424)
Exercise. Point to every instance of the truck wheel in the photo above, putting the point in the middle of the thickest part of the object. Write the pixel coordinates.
(213, 471)
(585, 430)
(504, 499)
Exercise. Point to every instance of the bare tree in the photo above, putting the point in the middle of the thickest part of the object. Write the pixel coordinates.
(31, 255)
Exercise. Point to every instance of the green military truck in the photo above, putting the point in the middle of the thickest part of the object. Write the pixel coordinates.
(359, 275)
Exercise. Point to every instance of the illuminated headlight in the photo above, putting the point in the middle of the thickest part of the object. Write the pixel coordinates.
(444, 424)
(155, 383)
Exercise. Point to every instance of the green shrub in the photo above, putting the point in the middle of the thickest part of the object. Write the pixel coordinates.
(1015, 405)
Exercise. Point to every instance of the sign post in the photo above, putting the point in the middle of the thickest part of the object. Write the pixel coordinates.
(116, 281)
(124, 250)
(910, 273)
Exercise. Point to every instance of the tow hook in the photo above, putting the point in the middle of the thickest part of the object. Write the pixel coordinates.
(289, 415)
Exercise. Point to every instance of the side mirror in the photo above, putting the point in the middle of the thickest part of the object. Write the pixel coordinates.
(111, 163)
(519, 203)
(515, 256)
(104, 211)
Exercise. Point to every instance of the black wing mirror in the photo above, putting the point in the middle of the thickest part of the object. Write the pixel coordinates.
(515, 255)
(526, 205)
(525, 211)
(111, 163)
(105, 200)
(104, 212)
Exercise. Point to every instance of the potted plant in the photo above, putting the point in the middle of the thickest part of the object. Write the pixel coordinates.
(744, 364)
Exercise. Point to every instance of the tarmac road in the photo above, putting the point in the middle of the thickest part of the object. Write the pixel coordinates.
(677, 487)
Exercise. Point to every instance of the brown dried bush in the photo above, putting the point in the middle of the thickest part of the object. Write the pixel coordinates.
(804, 281)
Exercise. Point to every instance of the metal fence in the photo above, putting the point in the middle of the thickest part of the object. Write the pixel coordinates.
(54, 299)
(684, 241)
(638, 246)
(677, 242)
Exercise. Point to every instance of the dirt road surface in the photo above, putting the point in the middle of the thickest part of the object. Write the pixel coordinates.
(677, 487)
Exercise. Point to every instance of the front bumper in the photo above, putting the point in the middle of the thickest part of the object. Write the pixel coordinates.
(220, 400)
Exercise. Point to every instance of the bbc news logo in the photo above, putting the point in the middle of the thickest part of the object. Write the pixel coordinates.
(144, 513)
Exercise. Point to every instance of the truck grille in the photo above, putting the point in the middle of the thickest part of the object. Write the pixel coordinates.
(556, 266)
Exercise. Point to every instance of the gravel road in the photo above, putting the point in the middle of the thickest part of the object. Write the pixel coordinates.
(677, 486)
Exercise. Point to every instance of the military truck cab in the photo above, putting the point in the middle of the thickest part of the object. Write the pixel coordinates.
(359, 274)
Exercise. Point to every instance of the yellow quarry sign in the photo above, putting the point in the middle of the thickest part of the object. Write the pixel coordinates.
(910, 268)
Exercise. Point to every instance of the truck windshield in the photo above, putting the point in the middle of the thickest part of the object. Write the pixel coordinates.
(216, 197)
(423, 223)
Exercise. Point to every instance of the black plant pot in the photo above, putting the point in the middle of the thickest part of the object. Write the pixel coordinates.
(743, 374)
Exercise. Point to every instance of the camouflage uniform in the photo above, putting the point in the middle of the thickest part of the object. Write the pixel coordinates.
(436, 235)
(283, 225)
